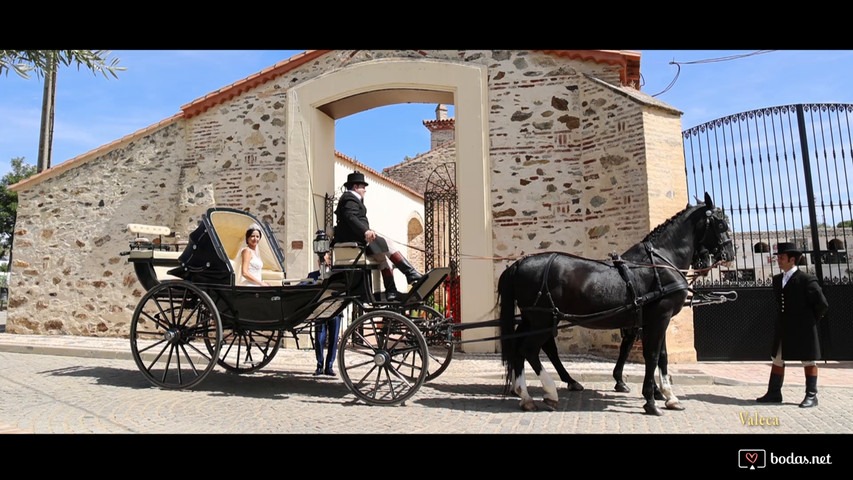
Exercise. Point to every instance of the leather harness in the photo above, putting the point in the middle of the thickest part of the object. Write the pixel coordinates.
(636, 301)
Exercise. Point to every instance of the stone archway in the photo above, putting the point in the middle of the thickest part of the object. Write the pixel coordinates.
(314, 105)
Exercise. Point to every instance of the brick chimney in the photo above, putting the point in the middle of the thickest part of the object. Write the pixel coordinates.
(442, 129)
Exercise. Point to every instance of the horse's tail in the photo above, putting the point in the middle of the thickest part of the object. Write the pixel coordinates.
(506, 297)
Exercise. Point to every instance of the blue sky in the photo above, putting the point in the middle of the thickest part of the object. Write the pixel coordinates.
(92, 110)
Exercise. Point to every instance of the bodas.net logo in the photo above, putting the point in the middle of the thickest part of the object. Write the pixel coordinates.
(751, 458)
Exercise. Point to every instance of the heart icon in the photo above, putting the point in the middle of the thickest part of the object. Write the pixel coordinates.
(752, 457)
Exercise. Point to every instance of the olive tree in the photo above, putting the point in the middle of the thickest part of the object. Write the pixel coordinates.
(42, 62)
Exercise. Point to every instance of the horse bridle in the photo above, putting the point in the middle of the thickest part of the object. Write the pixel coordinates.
(713, 243)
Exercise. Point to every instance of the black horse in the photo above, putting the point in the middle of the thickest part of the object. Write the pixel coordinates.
(702, 264)
(644, 288)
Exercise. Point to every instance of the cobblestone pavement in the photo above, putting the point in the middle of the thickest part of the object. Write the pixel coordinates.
(56, 385)
(60, 384)
(78, 394)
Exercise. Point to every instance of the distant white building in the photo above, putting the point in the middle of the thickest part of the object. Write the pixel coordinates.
(755, 260)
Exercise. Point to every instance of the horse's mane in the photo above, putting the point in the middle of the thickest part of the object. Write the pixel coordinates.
(654, 234)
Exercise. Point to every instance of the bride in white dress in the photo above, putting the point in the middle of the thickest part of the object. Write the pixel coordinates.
(249, 259)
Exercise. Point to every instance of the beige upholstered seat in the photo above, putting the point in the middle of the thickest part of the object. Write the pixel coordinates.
(159, 259)
(349, 254)
(144, 244)
(139, 228)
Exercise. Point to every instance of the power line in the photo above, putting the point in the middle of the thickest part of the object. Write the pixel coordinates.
(708, 60)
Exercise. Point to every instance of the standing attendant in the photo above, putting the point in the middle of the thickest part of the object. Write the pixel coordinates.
(327, 332)
(353, 226)
(801, 304)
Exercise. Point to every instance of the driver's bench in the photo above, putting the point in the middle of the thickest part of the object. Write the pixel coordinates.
(353, 255)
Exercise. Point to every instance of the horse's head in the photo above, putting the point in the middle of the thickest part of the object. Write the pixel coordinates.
(714, 240)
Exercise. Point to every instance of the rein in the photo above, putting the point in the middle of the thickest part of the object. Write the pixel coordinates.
(636, 304)
(669, 265)
(580, 319)
(573, 319)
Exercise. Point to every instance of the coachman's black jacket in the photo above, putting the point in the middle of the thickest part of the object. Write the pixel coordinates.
(352, 219)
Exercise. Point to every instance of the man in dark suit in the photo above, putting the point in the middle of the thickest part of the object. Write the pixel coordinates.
(353, 226)
(327, 330)
(801, 305)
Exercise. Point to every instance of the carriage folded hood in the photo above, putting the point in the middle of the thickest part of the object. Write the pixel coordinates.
(202, 261)
(212, 248)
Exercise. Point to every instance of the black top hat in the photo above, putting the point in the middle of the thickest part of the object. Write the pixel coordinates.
(353, 178)
(788, 248)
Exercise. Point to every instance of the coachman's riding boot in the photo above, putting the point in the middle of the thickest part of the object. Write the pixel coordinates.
(810, 399)
(391, 292)
(405, 268)
(774, 387)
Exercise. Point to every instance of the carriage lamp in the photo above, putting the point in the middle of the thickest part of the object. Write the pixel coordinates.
(321, 247)
(321, 243)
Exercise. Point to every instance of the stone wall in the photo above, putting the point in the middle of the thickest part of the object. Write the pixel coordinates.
(575, 166)
(235, 158)
(415, 172)
(571, 171)
(568, 170)
(68, 276)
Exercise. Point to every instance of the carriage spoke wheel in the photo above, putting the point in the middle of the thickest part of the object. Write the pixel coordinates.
(383, 358)
(245, 350)
(434, 327)
(168, 333)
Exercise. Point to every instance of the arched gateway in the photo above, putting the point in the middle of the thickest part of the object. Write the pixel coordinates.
(310, 138)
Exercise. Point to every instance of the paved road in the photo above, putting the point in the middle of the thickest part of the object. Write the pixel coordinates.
(73, 385)
(66, 394)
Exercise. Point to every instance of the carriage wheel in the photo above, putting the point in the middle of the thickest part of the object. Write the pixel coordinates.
(245, 350)
(434, 328)
(383, 358)
(169, 326)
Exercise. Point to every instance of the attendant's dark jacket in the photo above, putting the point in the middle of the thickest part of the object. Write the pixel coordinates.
(801, 304)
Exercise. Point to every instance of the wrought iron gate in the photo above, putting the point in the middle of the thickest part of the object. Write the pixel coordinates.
(441, 235)
(780, 174)
(329, 213)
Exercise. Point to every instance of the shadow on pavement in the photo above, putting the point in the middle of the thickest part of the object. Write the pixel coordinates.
(219, 383)
(490, 398)
(719, 399)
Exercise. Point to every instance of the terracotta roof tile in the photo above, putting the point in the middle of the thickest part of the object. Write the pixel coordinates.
(439, 124)
(228, 92)
(627, 59)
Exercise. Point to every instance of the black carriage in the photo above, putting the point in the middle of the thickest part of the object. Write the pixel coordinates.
(193, 316)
